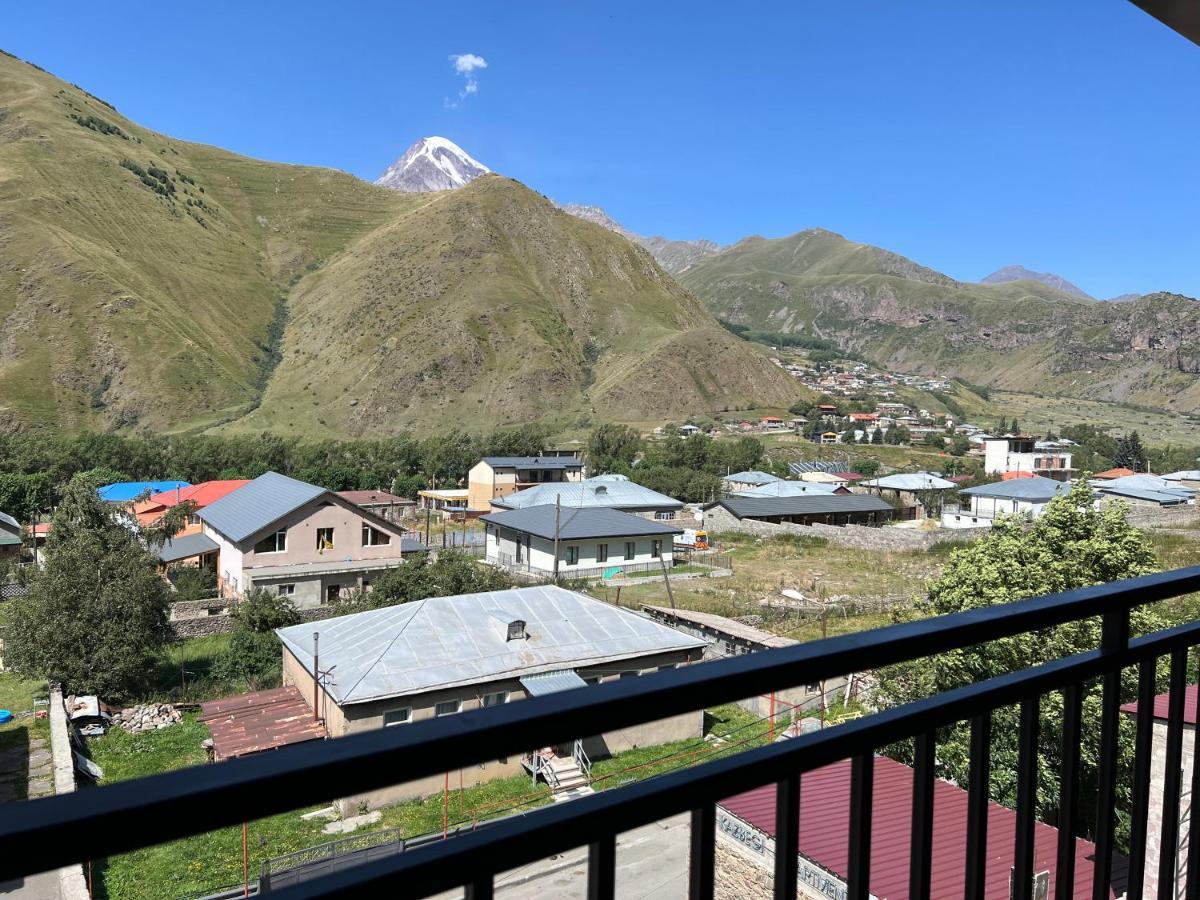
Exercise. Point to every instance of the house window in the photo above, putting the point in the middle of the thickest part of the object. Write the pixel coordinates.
(448, 708)
(373, 537)
(812, 688)
(572, 555)
(601, 553)
(324, 539)
(193, 519)
(594, 679)
(664, 516)
(656, 548)
(286, 590)
(397, 717)
(630, 549)
(272, 543)
(499, 698)
(634, 674)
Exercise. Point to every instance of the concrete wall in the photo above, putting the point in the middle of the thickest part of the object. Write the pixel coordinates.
(342, 516)
(72, 885)
(538, 552)
(359, 717)
(1154, 850)
(860, 537)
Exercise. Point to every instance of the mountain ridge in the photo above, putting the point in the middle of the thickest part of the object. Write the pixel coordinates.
(1006, 274)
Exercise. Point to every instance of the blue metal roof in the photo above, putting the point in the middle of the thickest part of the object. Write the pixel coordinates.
(1035, 489)
(124, 491)
(185, 547)
(534, 462)
(262, 502)
(552, 682)
(604, 491)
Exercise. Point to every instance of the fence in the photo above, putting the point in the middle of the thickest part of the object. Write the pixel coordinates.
(47, 833)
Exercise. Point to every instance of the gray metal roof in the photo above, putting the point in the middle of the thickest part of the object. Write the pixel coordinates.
(1184, 475)
(1147, 483)
(803, 468)
(752, 476)
(1162, 498)
(914, 481)
(445, 642)
(552, 682)
(601, 492)
(534, 462)
(1035, 489)
(188, 545)
(577, 523)
(9, 522)
(253, 507)
(790, 489)
(807, 504)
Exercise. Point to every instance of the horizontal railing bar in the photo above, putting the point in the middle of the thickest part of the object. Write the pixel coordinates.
(560, 827)
(44, 833)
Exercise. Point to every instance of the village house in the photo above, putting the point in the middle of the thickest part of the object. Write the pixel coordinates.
(494, 477)
(605, 491)
(1019, 454)
(795, 489)
(448, 655)
(979, 506)
(1145, 490)
(739, 513)
(299, 540)
(912, 490)
(746, 830)
(447, 502)
(381, 503)
(10, 538)
(150, 511)
(744, 481)
(588, 541)
(1189, 478)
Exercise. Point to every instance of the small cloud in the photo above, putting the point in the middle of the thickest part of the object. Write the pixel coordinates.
(466, 65)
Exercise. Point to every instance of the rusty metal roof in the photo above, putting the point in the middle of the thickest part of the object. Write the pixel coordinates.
(262, 720)
(1162, 703)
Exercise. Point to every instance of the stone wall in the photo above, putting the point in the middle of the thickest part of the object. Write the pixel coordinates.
(1148, 516)
(860, 537)
(72, 885)
(1154, 817)
(198, 618)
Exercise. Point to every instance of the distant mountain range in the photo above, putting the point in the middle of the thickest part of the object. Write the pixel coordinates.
(1020, 273)
(154, 284)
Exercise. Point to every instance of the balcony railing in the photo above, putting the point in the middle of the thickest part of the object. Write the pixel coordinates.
(42, 834)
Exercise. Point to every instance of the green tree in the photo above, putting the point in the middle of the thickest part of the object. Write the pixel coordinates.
(451, 573)
(96, 616)
(1071, 545)
(868, 468)
(877, 436)
(1130, 453)
(262, 611)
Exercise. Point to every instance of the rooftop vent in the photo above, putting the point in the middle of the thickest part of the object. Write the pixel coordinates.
(601, 489)
(516, 630)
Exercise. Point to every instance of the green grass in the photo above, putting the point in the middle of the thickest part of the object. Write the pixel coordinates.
(17, 695)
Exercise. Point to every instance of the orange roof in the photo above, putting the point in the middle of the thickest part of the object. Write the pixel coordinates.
(201, 494)
(1114, 473)
(1009, 476)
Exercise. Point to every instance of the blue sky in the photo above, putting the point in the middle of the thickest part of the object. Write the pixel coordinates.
(1062, 136)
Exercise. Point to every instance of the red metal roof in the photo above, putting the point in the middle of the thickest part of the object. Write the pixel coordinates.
(825, 828)
(263, 720)
(201, 494)
(1109, 474)
(1009, 476)
(1162, 701)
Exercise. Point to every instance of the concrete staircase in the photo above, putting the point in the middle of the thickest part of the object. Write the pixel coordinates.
(566, 776)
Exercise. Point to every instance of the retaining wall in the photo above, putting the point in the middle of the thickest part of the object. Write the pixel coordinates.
(860, 537)
(219, 621)
(72, 884)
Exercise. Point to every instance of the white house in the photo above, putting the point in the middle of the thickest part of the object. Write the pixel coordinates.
(590, 541)
(1020, 496)
(601, 492)
(1021, 454)
(744, 481)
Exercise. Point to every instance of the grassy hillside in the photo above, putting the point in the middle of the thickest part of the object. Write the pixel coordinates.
(1020, 336)
(145, 282)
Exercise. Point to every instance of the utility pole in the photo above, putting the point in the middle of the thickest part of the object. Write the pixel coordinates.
(557, 513)
(316, 679)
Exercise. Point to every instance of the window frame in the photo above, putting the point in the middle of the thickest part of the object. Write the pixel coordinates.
(630, 550)
(437, 708)
(656, 548)
(407, 720)
(572, 555)
(280, 546)
(483, 700)
(285, 590)
(602, 553)
(331, 543)
(374, 537)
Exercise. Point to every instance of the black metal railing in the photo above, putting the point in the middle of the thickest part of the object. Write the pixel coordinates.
(41, 834)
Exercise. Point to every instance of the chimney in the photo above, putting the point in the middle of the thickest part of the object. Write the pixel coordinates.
(516, 630)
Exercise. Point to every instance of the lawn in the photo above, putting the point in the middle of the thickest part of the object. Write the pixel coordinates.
(18, 695)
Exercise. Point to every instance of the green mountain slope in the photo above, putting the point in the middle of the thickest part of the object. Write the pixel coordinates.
(1020, 335)
(145, 281)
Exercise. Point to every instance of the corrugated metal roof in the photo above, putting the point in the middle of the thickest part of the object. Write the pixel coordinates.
(731, 627)
(601, 492)
(1148, 483)
(9, 522)
(534, 462)
(250, 509)
(263, 720)
(1035, 489)
(552, 682)
(752, 477)
(124, 491)
(444, 642)
(912, 481)
(807, 504)
(577, 524)
(1162, 705)
(1183, 475)
(825, 828)
(790, 489)
(801, 468)
(374, 498)
(8, 539)
(201, 494)
(1162, 498)
(185, 546)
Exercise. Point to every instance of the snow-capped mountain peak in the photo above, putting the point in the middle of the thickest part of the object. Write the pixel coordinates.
(432, 164)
